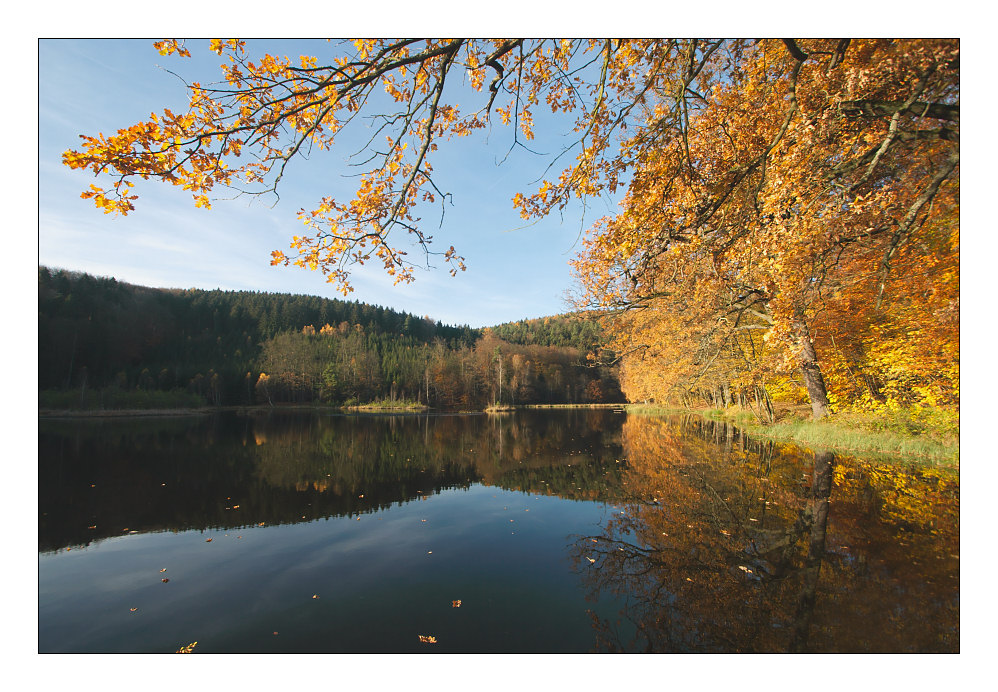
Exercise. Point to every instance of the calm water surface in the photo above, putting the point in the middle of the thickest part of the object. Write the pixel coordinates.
(539, 531)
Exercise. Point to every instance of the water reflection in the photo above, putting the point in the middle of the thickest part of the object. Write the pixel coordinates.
(702, 538)
(730, 544)
(100, 479)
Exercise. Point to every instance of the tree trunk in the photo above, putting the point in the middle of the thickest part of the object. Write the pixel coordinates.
(811, 371)
(821, 490)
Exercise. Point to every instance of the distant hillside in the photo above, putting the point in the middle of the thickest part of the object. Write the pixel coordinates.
(116, 345)
(559, 330)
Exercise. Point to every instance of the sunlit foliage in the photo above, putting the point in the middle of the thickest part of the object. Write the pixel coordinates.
(791, 222)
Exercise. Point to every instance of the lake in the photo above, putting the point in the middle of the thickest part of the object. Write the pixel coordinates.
(544, 531)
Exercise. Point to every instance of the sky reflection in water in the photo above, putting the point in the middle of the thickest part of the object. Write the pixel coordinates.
(556, 531)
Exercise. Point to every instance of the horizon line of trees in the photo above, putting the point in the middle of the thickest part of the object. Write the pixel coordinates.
(99, 336)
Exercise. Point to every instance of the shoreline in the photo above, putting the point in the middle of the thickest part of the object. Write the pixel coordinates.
(838, 435)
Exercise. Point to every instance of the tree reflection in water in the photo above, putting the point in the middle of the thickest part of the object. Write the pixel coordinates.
(716, 542)
(727, 544)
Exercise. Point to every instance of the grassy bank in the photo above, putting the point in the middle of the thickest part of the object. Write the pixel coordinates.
(930, 436)
(387, 405)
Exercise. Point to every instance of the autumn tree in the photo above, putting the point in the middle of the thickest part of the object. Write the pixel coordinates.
(786, 202)
(771, 182)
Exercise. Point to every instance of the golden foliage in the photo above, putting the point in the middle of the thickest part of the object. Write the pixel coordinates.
(785, 199)
(805, 204)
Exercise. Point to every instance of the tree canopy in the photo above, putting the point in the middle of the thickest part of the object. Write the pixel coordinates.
(785, 197)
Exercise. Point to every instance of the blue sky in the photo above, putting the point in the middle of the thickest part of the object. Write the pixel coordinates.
(90, 86)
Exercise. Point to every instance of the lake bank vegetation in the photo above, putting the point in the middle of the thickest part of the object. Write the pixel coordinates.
(926, 435)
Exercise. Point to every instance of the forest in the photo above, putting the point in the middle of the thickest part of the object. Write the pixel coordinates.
(790, 229)
(105, 344)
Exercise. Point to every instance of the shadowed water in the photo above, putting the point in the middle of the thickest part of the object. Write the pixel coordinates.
(538, 531)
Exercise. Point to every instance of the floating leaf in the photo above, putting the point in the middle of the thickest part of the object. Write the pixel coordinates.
(315, 595)
(209, 540)
(455, 604)
(187, 649)
(427, 639)
(133, 609)
(164, 580)
(591, 560)
(163, 570)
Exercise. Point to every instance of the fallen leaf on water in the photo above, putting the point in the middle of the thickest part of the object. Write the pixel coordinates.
(360, 496)
(261, 523)
(209, 540)
(591, 560)
(455, 604)
(133, 609)
(92, 527)
(593, 540)
(164, 580)
(427, 639)
(163, 570)
(187, 649)
(429, 552)
(315, 595)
